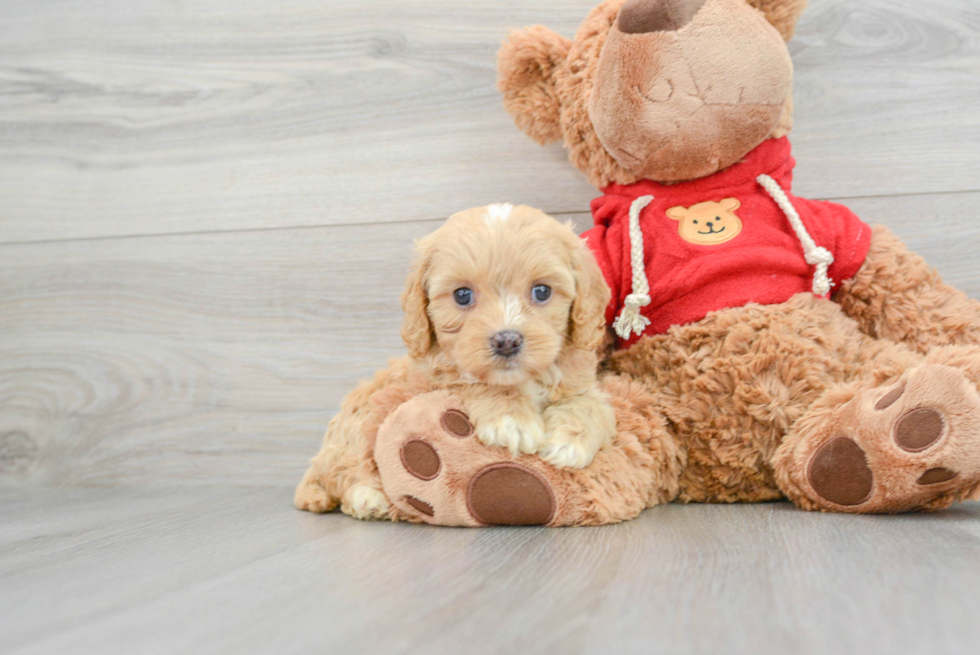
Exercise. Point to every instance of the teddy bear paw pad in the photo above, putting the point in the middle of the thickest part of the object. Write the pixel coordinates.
(420, 459)
(839, 472)
(436, 470)
(900, 447)
(420, 505)
(510, 494)
(919, 429)
(457, 423)
(936, 476)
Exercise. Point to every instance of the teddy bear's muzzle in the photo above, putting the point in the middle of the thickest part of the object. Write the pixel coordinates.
(646, 16)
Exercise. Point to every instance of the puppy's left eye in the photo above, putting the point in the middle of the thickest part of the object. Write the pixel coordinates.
(463, 297)
(541, 293)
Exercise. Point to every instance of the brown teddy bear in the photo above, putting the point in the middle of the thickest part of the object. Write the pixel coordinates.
(767, 346)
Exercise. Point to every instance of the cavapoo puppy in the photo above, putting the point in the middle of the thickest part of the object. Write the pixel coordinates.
(505, 307)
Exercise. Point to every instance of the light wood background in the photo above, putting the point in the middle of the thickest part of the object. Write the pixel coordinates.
(207, 210)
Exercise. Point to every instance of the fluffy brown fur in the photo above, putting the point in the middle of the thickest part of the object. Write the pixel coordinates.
(783, 14)
(529, 63)
(899, 297)
(542, 400)
(734, 384)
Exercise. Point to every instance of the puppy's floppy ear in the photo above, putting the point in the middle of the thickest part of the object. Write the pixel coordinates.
(417, 330)
(526, 67)
(588, 315)
(782, 14)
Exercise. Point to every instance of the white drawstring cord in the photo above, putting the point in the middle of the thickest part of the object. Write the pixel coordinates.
(631, 320)
(815, 255)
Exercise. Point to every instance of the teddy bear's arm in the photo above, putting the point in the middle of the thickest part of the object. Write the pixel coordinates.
(897, 296)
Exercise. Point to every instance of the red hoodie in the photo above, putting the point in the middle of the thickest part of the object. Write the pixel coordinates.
(721, 241)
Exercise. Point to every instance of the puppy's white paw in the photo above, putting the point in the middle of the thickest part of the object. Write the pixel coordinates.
(365, 503)
(567, 449)
(520, 436)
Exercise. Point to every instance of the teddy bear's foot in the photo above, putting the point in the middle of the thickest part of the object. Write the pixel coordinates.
(435, 470)
(914, 444)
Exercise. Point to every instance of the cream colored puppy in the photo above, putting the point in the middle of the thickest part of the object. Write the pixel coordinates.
(505, 307)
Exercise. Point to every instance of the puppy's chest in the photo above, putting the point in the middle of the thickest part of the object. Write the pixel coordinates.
(537, 395)
(532, 395)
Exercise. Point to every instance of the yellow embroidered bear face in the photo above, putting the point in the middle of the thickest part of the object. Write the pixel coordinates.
(708, 223)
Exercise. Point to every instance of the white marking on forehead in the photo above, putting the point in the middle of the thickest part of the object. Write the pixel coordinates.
(513, 310)
(498, 213)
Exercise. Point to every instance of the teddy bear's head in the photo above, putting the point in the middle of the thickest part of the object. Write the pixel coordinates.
(664, 90)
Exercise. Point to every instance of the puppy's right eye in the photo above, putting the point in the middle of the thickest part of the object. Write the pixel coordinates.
(541, 293)
(463, 297)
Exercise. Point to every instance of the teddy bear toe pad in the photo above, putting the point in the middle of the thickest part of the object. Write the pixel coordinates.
(919, 429)
(421, 506)
(420, 459)
(899, 447)
(457, 423)
(435, 470)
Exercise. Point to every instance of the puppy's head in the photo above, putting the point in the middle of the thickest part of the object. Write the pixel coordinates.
(502, 291)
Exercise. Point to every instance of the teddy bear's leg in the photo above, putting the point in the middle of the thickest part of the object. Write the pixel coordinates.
(897, 296)
(910, 444)
(434, 469)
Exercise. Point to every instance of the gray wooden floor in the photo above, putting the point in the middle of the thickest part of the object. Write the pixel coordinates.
(221, 570)
(206, 214)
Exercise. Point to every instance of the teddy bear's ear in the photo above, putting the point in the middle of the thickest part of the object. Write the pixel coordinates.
(526, 67)
(731, 204)
(783, 14)
(677, 213)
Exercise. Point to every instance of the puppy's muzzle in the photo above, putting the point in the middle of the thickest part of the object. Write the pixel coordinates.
(507, 343)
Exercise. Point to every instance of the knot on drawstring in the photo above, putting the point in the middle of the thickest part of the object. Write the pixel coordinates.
(631, 320)
(822, 259)
(819, 256)
(815, 255)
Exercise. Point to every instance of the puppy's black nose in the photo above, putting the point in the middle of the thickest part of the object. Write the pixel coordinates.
(645, 16)
(507, 343)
